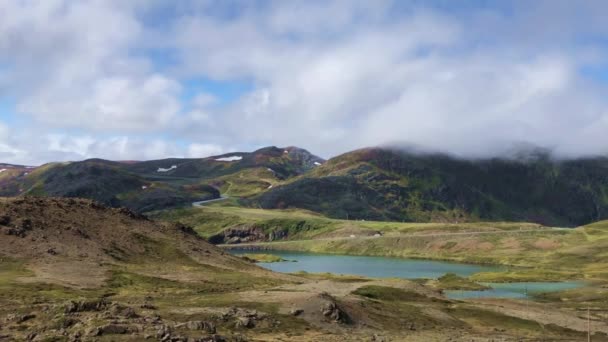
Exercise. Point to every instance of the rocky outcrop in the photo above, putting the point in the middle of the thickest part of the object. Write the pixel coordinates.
(9, 226)
(86, 305)
(198, 326)
(239, 234)
(247, 319)
(296, 312)
(333, 312)
(249, 233)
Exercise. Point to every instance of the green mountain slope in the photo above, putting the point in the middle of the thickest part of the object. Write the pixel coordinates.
(159, 184)
(387, 184)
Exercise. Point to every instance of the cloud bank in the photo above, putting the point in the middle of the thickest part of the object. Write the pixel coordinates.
(114, 80)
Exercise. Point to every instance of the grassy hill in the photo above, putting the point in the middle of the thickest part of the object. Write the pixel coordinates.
(387, 184)
(537, 252)
(159, 184)
(379, 184)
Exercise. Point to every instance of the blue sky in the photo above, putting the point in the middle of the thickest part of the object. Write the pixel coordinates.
(156, 79)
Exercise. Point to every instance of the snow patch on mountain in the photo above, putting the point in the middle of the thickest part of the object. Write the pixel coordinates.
(160, 169)
(229, 159)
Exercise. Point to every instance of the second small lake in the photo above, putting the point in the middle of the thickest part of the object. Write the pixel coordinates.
(385, 267)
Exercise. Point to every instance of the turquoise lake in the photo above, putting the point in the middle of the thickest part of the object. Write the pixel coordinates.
(384, 267)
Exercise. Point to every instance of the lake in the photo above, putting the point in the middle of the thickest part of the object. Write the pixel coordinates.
(385, 267)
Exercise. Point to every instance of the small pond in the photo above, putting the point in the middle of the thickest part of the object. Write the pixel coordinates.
(386, 267)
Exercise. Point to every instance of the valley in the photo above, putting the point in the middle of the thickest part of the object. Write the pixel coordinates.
(90, 272)
(326, 250)
(303, 171)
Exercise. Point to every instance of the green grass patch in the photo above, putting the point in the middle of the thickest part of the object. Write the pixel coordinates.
(451, 281)
(386, 293)
(524, 275)
(264, 257)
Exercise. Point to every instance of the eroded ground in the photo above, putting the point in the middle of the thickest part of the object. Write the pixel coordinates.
(217, 305)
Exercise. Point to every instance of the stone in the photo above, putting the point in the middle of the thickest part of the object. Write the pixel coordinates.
(94, 305)
(245, 322)
(333, 312)
(296, 312)
(198, 325)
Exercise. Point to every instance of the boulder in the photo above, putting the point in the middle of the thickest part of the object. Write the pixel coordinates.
(332, 311)
(245, 322)
(199, 325)
(296, 312)
(86, 305)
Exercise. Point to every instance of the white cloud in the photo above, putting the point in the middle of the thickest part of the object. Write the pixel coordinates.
(329, 76)
(71, 64)
(204, 150)
(426, 78)
(107, 104)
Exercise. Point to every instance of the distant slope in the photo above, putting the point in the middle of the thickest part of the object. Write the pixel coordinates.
(285, 162)
(160, 184)
(386, 184)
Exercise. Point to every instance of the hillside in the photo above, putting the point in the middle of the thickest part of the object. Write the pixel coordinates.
(75, 270)
(72, 267)
(369, 184)
(51, 231)
(284, 162)
(159, 184)
(387, 184)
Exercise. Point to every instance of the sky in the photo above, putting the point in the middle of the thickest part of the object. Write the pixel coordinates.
(149, 79)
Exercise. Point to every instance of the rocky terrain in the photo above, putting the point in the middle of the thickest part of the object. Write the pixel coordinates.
(76, 270)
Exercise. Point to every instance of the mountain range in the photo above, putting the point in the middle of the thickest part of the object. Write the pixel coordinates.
(367, 184)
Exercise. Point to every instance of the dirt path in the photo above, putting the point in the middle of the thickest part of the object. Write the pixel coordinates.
(201, 203)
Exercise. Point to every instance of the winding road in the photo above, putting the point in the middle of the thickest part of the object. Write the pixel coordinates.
(202, 203)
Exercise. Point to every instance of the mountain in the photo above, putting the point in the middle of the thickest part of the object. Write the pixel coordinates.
(392, 184)
(367, 184)
(9, 172)
(284, 162)
(159, 184)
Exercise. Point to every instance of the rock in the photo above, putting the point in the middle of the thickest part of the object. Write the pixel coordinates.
(19, 318)
(66, 322)
(76, 337)
(163, 331)
(198, 325)
(94, 305)
(378, 338)
(13, 231)
(333, 312)
(245, 322)
(296, 312)
(238, 234)
(5, 220)
(124, 311)
(113, 329)
(93, 332)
